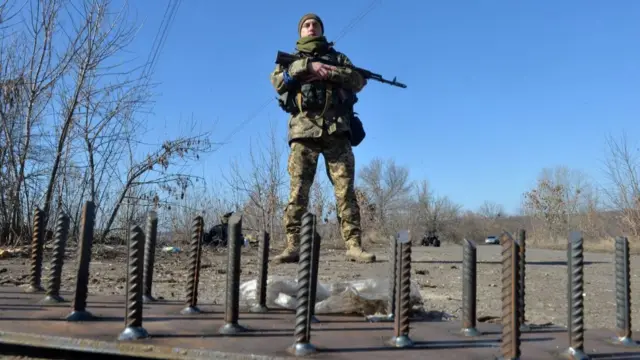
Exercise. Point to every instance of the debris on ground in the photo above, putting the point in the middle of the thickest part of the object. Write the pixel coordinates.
(361, 297)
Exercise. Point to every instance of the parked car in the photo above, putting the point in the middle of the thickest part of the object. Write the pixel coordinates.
(492, 240)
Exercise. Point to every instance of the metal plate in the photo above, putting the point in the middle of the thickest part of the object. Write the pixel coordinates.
(174, 336)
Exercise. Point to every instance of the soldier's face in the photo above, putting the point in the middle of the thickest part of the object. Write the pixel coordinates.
(311, 28)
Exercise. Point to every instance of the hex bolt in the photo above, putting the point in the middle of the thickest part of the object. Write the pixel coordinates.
(150, 255)
(510, 344)
(232, 305)
(575, 291)
(133, 312)
(57, 261)
(37, 250)
(195, 248)
(263, 249)
(522, 261)
(302, 334)
(79, 312)
(401, 337)
(469, 288)
(623, 294)
(313, 281)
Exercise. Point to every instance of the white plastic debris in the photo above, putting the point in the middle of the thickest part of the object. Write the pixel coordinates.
(363, 297)
(171, 249)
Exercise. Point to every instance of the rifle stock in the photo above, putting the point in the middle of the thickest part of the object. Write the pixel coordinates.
(285, 59)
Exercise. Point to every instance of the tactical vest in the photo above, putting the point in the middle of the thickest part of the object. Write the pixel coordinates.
(318, 96)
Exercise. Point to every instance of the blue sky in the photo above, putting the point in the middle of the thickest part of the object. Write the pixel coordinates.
(497, 90)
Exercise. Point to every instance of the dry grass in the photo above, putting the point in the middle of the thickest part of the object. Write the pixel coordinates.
(598, 245)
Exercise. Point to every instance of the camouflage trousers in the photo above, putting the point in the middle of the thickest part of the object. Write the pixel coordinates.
(340, 166)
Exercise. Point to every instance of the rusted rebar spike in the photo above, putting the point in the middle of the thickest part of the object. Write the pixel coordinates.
(302, 345)
(133, 314)
(575, 291)
(401, 337)
(199, 259)
(316, 240)
(398, 285)
(37, 249)
(232, 306)
(80, 312)
(57, 260)
(522, 241)
(405, 291)
(469, 278)
(510, 344)
(195, 247)
(150, 255)
(263, 249)
(623, 294)
(393, 268)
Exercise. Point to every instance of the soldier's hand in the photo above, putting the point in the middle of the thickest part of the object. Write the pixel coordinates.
(320, 70)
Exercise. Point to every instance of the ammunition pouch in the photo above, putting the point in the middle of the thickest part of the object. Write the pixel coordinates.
(357, 130)
(316, 97)
(347, 100)
(287, 102)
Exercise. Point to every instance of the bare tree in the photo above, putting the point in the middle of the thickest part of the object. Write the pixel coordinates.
(322, 204)
(557, 199)
(320, 201)
(31, 70)
(62, 87)
(159, 162)
(491, 210)
(87, 93)
(389, 188)
(262, 185)
(592, 222)
(432, 212)
(197, 201)
(218, 203)
(623, 190)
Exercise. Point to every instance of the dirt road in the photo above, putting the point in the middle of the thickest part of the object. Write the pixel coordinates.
(438, 271)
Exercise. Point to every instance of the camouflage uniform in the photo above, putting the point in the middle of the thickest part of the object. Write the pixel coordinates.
(311, 133)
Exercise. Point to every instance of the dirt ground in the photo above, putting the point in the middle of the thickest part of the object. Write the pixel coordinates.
(438, 271)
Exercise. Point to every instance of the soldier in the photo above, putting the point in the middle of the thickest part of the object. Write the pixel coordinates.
(320, 99)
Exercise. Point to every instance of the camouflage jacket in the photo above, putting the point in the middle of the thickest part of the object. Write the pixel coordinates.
(307, 124)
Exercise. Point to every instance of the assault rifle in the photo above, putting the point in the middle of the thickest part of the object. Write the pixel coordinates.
(285, 59)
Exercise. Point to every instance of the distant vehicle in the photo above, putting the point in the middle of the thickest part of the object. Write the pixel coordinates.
(492, 240)
(430, 239)
(218, 234)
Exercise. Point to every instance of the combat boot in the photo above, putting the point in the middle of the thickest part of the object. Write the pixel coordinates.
(356, 253)
(288, 256)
